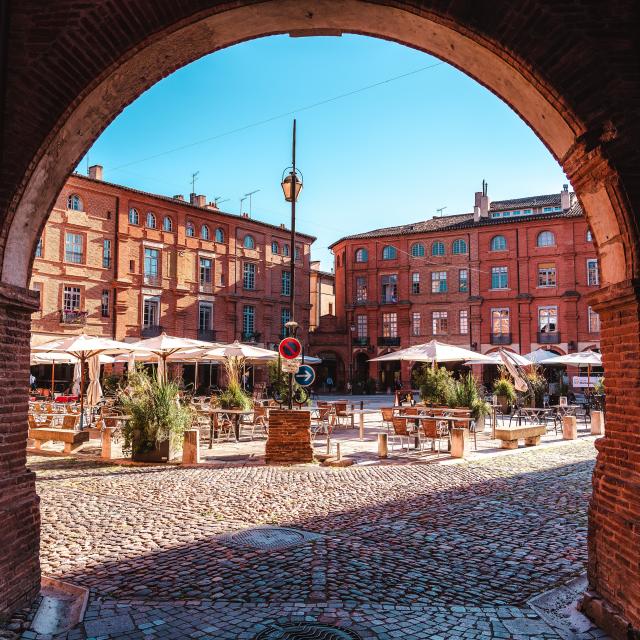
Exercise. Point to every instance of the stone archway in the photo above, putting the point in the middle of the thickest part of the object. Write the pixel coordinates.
(67, 71)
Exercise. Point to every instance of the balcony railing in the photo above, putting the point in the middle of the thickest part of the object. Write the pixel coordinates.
(151, 331)
(389, 299)
(361, 341)
(72, 317)
(251, 337)
(152, 279)
(388, 341)
(546, 337)
(501, 338)
(207, 335)
(206, 287)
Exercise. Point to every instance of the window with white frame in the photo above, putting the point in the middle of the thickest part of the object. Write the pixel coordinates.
(74, 202)
(286, 283)
(190, 230)
(415, 283)
(548, 319)
(500, 322)
(71, 298)
(437, 248)
(167, 224)
(151, 312)
(593, 279)
(389, 253)
(205, 316)
(248, 320)
(285, 250)
(417, 250)
(106, 253)
(151, 220)
(594, 321)
(151, 266)
(463, 280)
(204, 232)
(298, 254)
(73, 244)
(275, 249)
(546, 239)
(362, 327)
(361, 289)
(249, 242)
(39, 248)
(499, 277)
(439, 323)
(547, 275)
(248, 275)
(105, 303)
(459, 246)
(285, 316)
(206, 273)
(389, 288)
(589, 236)
(362, 255)
(438, 282)
(415, 323)
(463, 321)
(219, 235)
(390, 325)
(134, 217)
(498, 243)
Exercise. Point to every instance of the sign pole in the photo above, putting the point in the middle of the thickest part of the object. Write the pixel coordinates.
(292, 252)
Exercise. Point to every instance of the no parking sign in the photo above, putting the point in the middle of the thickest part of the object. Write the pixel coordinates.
(290, 348)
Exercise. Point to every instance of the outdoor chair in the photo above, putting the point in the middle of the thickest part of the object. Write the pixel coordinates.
(401, 432)
(343, 417)
(434, 429)
(387, 417)
(70, 421)
(321, 424)
(223, 426)
(259, 420)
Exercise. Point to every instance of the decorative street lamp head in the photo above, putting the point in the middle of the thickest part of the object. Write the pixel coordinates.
(291, 185)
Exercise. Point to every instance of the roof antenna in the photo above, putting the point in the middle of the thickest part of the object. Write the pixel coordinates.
(485, 186)
(194, 177)
(440, 210)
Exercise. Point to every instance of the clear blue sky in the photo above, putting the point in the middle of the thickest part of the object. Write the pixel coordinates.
(387, 155)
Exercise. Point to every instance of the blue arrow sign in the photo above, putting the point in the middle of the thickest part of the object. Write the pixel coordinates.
(305, 375)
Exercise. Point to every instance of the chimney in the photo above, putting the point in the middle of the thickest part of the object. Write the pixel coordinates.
(482, 203)
(565, 197)
(197, 200)
(95, 172)
(192, 198)
(213, 205)
(245, 215)
(179, 196)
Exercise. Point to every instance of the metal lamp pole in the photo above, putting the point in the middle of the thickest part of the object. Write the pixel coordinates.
(292, 252)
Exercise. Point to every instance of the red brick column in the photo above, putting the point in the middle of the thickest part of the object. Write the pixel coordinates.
(19, 504)
(614, 513)
(289, 440)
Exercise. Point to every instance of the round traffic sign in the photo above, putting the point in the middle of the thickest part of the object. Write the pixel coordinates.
(305, 375)
(290, 348)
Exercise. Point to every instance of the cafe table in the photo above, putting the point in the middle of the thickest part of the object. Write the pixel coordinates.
(235, 415)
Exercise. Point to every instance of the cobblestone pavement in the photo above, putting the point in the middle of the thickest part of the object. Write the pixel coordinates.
(449, 551)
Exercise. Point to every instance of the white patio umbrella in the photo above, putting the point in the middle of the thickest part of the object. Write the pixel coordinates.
(539, 355)
(239, 350)
(62, 358)
(432, 351)
(583, 359)
(494, 358)
(94, 390)
(76, 387)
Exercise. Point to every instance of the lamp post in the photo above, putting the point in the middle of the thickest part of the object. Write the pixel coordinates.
(291, 187)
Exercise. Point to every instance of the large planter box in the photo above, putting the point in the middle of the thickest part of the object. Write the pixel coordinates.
(163, 452)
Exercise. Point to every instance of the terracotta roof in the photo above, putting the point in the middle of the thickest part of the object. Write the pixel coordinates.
(550, 200)
(200, 210)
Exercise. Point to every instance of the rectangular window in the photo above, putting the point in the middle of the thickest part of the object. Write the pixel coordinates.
(285, 316)
(463, 282)
(464, 321)
(151, 312)
(548, 319)
(71, 299)
(248, 320)
(415, 283)
(206, 275)
(361, 289)
(499, 278)
(438, 281)
(390, 325)
(439, 322)
(286, 283)
(37, 287)
(106, 254)
(73, 248)
(151, 266)
(546, 275)
(594, 321)
(593, 280)
(104, 303)
(415, 323)
(39, 248)
(500, 322)
(390, 288)
(362, 327)
(249, 275)
(205, 317)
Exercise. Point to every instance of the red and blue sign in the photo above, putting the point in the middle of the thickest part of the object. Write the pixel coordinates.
(290, 348)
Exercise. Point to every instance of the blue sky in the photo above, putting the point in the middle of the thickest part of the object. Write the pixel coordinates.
(387, 155)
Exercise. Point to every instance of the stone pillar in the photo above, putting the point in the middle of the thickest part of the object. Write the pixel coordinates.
(459, 437)
(569, 428)
(613, 600)
(19, 503)
(383, 446)
(597, 423)
(191, 447)
(107, 443)
(289, 440)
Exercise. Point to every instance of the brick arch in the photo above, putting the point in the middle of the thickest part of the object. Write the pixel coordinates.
(65, 75)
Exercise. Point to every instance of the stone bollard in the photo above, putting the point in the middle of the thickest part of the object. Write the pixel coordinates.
(597, 423)
(191, 447)
(338, 454)
(383, 446)
(569, 428)
(107, 443)
(459, 437)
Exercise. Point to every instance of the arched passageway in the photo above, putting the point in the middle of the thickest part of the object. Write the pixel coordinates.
(67, 69)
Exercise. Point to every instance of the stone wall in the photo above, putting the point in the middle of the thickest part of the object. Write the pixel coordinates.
(289, 440)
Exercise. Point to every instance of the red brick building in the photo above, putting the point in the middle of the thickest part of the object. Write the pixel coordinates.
(513, 273)
(122, 263)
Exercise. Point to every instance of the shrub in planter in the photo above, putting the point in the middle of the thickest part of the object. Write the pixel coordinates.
(538, 385)
(435, 384)
(506, 392)
(157, 423)
(233, 397)
(465, 393)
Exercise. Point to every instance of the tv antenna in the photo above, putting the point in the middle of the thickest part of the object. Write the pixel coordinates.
(241, 201)
(248, 195)
(194, 177)
(218, 199)
(440, 210)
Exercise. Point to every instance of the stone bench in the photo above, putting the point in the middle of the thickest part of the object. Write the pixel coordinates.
(531, 435)
(72, 439)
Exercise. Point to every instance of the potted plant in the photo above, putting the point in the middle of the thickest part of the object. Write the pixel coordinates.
(506, 392)
(155, 429)
(434, 384)
(537, 384)
(233, 397)
(465, 393)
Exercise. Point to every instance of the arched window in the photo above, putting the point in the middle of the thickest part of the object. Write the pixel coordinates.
(219, 235)
(285, 250)
(190, 230)
(167, 224)
(498, 243)
(362, 255)
(589, 236)
(74, 202)
(546, 239)
(204, 232)
(389, 253)
(249, 242)
(134, 218)
(437, 248)
(151, 220)
(275, 249)
(459, 246)
(417, 250)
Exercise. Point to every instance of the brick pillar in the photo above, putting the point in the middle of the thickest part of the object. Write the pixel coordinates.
(613, 600)
(289, 440)
(19, 503)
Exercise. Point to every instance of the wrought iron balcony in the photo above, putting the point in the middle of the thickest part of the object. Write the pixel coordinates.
(72, 316)
(501, 338)
(549, 337)
(206, 287)
(207, 335)
(151, 331)
(388, 341)
(361, 341)
(153, 280)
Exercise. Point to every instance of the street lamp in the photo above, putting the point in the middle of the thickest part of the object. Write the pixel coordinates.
(291, 186)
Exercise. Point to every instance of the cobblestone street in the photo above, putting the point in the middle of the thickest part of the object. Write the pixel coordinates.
(426, 551)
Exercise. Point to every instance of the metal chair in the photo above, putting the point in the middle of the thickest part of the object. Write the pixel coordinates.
(400, 432)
